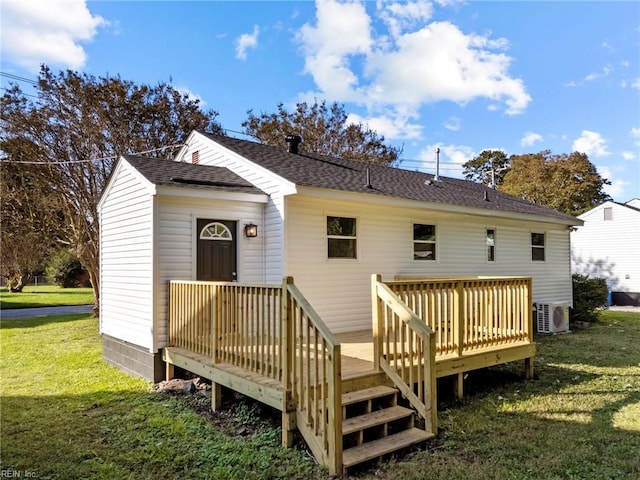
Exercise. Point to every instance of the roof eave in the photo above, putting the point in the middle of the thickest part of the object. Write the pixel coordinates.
(436, 206)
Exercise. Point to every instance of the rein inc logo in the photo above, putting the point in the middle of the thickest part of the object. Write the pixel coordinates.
(11, 473)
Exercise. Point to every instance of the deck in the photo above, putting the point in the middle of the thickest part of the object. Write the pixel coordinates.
(353, 396)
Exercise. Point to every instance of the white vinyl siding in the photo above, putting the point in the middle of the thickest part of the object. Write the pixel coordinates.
(176, 244)
(609, 248)
(126, 259)
(274, 243)
(340, 292)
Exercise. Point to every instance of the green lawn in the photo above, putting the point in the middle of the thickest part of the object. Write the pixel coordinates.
(65, 414)
(45, 296)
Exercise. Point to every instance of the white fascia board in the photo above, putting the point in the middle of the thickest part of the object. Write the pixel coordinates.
(284, 186)
(122, 164)
(439, 207)
(209, 194)
(184, 148)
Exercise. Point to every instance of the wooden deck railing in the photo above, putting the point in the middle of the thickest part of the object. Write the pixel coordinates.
(404, 348)
(471, 314)
(232, 323)
(271, 331)
(313, 373)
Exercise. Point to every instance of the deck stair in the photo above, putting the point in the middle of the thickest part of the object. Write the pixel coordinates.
(375, 425)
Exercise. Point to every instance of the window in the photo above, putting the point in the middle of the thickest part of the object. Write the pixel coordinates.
(608, 213)
(537, 247)
(424, 242)
(341, 237)
(491, 245)
(215, 231)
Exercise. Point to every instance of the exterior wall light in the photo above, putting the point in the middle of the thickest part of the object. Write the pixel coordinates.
(251, 230)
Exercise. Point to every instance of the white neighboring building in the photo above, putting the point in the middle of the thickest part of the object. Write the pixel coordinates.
(608, 246)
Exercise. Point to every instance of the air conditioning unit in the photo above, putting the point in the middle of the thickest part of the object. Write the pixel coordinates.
(552, 318)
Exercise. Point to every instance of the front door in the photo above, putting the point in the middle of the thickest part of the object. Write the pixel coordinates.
(216, 256)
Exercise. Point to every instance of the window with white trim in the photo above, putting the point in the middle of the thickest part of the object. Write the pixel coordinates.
(491, 244)
(342, 240)
(537, 247)
(215, 231)
(424, 241)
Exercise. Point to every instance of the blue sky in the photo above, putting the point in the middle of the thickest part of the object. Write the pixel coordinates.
(460, 76)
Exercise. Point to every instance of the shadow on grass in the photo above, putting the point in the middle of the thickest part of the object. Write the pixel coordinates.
(32, 322)
(134, 434)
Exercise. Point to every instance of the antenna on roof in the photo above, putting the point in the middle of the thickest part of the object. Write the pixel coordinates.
(437, 177)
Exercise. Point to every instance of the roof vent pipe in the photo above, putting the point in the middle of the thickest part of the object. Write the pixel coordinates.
(437, 179)
(368, 185)
(293, 142)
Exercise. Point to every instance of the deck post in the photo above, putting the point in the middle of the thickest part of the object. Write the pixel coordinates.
(286, 351)
(376, 313)
(528, 368)
(169, 371)
(458, 386)
(216, 396)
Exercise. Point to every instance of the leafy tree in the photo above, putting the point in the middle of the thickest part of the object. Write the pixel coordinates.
(76, 129)
(28, 218)
(489, 168)
(324, 130)
(568, 183)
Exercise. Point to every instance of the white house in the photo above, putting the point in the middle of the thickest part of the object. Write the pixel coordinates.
(608, 246)
(329, 223)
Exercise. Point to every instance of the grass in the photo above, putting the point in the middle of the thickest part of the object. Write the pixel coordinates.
(45, 296)
(66, 414)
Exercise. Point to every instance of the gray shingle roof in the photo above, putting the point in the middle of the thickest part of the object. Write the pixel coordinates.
(168, 172)
(312, 170)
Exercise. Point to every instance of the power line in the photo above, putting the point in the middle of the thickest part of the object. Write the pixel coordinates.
(19, 78)
(101, 159)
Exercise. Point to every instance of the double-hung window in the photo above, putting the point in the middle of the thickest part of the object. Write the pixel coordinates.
(537, 247)
(424, 241)
(342, 240)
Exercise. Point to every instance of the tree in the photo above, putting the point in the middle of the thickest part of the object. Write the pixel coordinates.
(76, 129)
(568, 183)
(28, 216)
(325, 131)
(489, 168)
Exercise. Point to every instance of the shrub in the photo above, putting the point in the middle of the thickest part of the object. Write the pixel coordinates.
(65, 270)
(589, 294)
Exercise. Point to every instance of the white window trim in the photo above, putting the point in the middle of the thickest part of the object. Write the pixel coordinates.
(435, 242)
(341, 237)
(495, 246)
(224, 235)
(532, 246)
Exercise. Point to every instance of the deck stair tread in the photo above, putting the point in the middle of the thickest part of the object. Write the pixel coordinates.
(373, 419)
(382, 446)
(367, 394)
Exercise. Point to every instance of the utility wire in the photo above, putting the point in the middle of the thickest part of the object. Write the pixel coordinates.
(19, 78)
(112, 157)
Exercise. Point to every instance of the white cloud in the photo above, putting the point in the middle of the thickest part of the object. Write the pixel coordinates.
(628, 156)
(530, 138)
(412, 64)
(47, 31)
(595, 75)
(591, 143)
(617, 187)
(453, 124)
(401, 16)
(635, 133)
(193, 96)
(247, 41)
